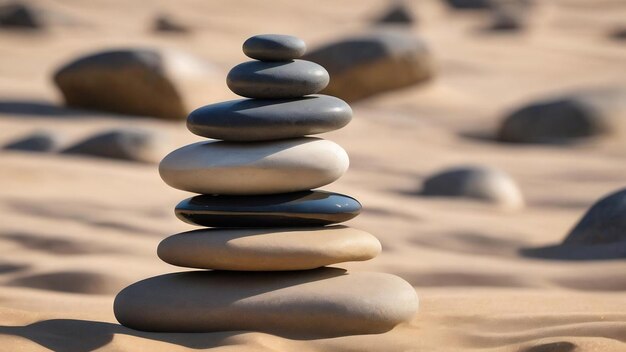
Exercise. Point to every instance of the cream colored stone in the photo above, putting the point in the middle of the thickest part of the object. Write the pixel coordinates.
(320, 302)
(268, 249)
(218, 167)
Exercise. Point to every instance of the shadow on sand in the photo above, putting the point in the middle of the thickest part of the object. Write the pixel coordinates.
(37, 108)
(609, 251)
(73, 335)
(40, 108)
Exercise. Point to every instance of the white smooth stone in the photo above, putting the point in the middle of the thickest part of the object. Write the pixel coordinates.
(218, 167)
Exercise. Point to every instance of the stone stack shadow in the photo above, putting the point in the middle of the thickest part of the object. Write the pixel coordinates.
(268, 235)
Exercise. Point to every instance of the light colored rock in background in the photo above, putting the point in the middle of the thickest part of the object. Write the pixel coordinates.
(477, 182)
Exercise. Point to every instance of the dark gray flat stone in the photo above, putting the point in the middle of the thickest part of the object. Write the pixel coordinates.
(274, 47)
(277, 80)
(269, 119)
(308, 208)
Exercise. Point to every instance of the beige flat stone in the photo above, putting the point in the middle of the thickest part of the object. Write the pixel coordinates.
(268, 249)
(320, 302)
(218, 167)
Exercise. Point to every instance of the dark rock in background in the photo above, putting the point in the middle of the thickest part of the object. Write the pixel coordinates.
(397, 14)
(19, 15)
(123, 144)
(604, 222)
(376, 62)
(567, 118)
(42, 141)
(142, 82)
(166, 24)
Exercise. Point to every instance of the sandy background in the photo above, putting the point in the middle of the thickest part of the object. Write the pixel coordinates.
(76, 230)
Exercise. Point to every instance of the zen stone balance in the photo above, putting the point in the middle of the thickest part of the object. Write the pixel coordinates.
(267, 235)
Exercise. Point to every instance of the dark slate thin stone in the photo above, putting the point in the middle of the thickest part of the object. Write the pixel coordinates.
(277, 80)
(274, 47)
(269, 119)
(308, 208)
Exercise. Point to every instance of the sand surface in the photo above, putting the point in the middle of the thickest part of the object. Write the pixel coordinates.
(74, 230)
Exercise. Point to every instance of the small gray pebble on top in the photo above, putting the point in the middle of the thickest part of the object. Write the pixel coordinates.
(274, 47)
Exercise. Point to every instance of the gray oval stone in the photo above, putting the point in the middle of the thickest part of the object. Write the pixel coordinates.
(269, 119)
(482, 183)
(556, 121)
(311, 303)
(276, 80)
(274, 47)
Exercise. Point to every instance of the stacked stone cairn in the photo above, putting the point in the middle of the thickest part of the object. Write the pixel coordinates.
(269, 236)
